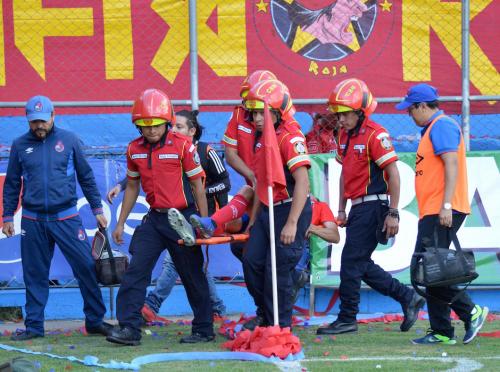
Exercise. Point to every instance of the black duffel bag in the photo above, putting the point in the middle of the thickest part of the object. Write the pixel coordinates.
(110, 265)
(442, 267)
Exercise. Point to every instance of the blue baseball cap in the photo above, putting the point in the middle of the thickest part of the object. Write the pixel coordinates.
(39, 108)
(418, 93)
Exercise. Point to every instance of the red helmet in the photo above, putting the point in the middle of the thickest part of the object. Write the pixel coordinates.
(352, 95)
(254, 78)
(151, 108)
(275, 93)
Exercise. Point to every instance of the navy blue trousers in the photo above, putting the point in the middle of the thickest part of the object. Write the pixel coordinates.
(439, 312)
(257, 261)
(148, 242)
(37, 249)
(357, 264)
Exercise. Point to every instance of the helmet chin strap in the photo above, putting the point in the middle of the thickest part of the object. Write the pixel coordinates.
(361, 119)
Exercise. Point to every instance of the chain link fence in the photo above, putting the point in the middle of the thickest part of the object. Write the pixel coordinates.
(94, 57)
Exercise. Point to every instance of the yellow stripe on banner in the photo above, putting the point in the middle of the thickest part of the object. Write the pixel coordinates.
(33, 23)
(118, 45)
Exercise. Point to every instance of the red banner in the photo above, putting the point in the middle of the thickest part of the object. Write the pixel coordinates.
(113, 49)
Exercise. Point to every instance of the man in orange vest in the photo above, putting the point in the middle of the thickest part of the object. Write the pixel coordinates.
(441, 190)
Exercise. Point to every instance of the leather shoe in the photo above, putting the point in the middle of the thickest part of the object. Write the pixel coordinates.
(124, 336)
(194, 338)
(411, 312)
(102, 329)
(337, 327)
(24, 336)
(258, 321)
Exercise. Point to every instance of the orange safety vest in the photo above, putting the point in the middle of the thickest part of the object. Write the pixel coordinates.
(429, 178)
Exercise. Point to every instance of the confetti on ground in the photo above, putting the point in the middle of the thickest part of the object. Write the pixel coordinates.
(344, 357)
(326, 353)
(148, 332)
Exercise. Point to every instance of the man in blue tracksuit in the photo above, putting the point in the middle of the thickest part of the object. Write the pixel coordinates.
(43, 164)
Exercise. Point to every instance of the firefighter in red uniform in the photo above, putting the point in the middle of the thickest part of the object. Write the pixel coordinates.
(292, 207)
(168, 168)
(239, 138)
(370, 179)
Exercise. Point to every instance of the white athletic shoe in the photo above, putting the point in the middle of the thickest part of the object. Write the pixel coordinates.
(181, 226)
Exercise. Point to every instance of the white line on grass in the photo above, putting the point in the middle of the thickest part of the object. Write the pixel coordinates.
(463, 364)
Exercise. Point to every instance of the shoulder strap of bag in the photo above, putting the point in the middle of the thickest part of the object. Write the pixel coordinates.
(112, 260)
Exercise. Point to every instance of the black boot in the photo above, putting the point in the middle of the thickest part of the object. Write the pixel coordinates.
(194, 338)
(258, 321)
(124, 336)
(102, 329)
(338, 327)
(411, 312)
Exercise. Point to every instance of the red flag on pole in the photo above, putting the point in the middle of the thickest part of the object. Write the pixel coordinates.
(268, 164)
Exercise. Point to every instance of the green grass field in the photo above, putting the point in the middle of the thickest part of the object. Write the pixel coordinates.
(376, 346)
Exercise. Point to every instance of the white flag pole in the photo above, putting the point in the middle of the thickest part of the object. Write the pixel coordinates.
(273, 255)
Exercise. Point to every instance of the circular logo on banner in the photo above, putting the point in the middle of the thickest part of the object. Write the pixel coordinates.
(315, 36)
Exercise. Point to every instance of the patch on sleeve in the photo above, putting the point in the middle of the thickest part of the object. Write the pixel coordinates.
(196, 158)
(386, 143)
(300, 147)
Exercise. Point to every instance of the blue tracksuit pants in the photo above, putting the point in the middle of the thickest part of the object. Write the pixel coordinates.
(37, 249)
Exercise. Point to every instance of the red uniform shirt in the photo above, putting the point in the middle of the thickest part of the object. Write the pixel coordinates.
(292, 145)
(321, 213)
(321, 141)
(240, 135)
(165, 170)
(368, 153)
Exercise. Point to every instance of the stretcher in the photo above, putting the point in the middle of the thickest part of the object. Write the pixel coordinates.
(220, 239)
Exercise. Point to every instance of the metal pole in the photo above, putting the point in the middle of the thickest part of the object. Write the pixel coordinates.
(193, 54)
(466, 72)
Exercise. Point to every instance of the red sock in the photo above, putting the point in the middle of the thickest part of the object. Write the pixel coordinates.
(233, 210)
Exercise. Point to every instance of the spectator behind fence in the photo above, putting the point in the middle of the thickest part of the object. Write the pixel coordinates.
(44, 163)
(168, 168)
(217, 186)
(443, 204)
(322, 139)
(369, 174)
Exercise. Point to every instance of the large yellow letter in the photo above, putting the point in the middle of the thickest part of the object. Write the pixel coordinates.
(224, 50)
(445, 19)
(118, 47)
(32, 23)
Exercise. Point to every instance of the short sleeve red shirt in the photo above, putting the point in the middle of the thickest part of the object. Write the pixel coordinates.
(368, 153)
(293, 150)
(321, 213)
(165, 170)
(240, 135)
